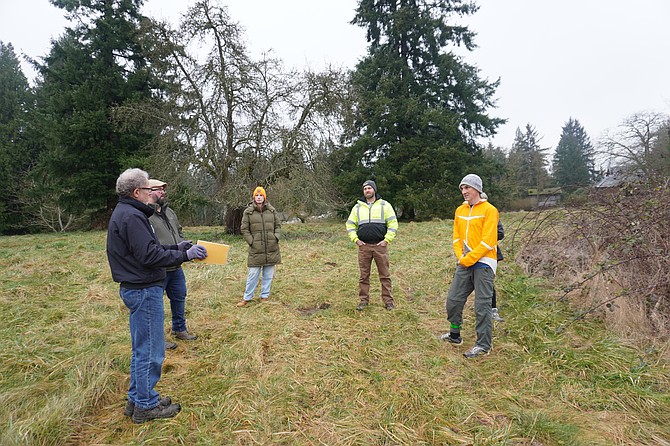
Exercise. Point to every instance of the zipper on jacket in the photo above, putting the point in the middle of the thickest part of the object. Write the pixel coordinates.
(264, 237)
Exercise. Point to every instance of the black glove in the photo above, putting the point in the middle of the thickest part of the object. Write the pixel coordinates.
(184, 245)
(196, 252)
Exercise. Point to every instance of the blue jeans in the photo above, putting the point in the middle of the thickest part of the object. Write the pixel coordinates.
(175, 287)
(252, 280)
(148, 343)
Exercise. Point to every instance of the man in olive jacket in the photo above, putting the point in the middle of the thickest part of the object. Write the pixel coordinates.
(169, 232)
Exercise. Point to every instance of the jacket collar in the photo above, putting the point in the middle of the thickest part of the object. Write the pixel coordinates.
(365, 200)
(145, 208)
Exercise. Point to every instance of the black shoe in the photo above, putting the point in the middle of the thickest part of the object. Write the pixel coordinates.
(130, 407)
(449, 338)
(361, 306)
(389, 306)
(170, 345)
(142, 415)
(184, 335)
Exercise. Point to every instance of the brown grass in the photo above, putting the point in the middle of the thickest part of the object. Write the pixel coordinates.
(307, 368)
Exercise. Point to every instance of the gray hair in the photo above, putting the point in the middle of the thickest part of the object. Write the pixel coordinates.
(130, 180)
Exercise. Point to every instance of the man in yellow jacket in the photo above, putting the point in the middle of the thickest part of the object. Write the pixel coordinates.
(372, 225)
(475, 246)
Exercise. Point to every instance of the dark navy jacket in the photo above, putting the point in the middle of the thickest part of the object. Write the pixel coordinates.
(135, 256)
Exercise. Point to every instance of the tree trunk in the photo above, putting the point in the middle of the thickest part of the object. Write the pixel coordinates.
(233, 220)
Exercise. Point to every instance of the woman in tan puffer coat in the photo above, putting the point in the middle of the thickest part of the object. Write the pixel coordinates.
(261, 229)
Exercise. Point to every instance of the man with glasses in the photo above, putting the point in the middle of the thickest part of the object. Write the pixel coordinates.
(169, 232)
(137, 261)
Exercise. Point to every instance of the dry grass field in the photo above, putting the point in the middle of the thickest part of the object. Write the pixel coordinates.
(307, 368)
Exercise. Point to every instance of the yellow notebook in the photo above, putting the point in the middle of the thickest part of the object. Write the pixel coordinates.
(217, 253)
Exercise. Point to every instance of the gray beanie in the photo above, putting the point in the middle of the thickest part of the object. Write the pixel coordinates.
(473, 181)
(372, 184)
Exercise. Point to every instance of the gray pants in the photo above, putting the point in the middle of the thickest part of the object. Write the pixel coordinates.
(465, 281)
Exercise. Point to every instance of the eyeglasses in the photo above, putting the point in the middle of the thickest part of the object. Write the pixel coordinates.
(158, 189)
(146, 188)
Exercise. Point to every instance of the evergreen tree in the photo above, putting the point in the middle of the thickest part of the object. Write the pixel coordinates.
(16, 102)
(92, 68)
(573, 164)
(527, 162)
(498, 188)
(419, 108)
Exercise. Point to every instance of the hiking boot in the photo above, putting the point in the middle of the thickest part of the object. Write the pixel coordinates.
(184, 335)
(475, 351)
(496, 316)
(361, 306)
(130, 407)
(142, 415)
(243, 303)
(389, 306)
(454, 340)
(170, 345)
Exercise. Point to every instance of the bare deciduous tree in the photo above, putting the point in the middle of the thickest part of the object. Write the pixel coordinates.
(231, 122)
(40, 201)
(636, 141)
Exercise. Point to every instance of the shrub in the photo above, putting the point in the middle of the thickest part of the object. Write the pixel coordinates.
(611, 254)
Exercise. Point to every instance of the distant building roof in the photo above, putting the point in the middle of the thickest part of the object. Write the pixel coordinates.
(616, 179)
(545, 191)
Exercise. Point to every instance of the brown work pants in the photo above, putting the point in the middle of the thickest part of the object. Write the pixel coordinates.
(380, 254)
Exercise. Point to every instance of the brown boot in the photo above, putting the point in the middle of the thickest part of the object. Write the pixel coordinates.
(184, 335)
(361, 306)
(243, 303)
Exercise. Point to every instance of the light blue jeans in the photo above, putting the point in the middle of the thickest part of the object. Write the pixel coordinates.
(252, 280)
(148, 343)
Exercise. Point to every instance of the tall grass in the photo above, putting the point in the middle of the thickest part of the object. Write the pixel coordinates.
(307, 368)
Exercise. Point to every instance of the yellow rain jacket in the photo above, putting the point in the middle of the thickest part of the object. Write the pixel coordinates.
(476, 234)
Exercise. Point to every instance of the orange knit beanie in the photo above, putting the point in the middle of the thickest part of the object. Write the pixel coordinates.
(260, 190)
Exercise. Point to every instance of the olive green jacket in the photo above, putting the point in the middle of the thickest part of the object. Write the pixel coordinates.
(262, 231)
(167, 228)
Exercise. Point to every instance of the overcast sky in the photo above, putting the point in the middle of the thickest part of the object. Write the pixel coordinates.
(597, 61)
